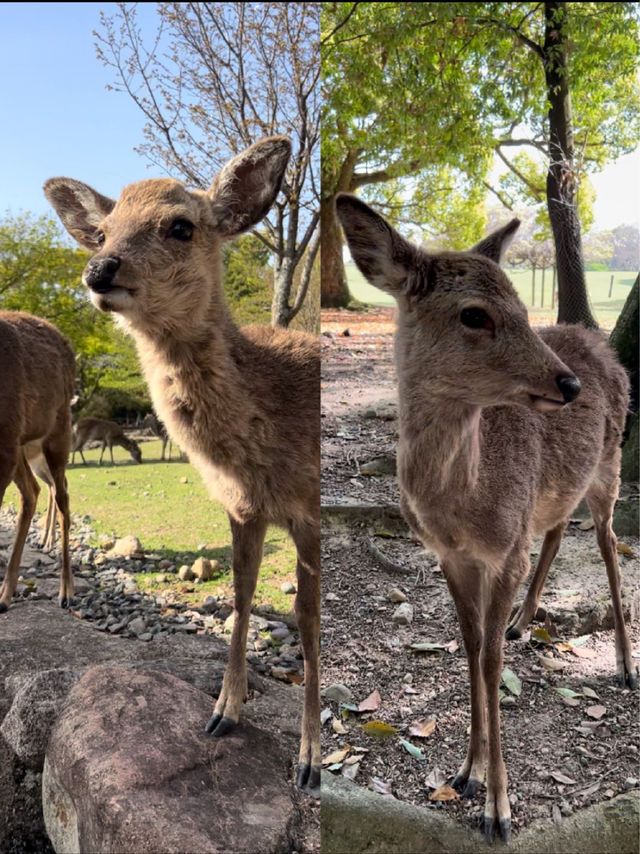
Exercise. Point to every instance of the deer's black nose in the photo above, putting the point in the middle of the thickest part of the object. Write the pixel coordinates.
(99, 273)
(569, 387)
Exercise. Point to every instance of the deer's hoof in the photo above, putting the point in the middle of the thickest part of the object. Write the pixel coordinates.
(3, 608)
(513, 633)
(627, 678)
(308, 779)
(471, 789)
(218, 725)
(504, 826)
(65, 601)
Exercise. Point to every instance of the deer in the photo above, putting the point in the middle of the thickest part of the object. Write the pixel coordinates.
(243, 403)
(153, 423)
(107, 432)
(502, 431)
(37, 365)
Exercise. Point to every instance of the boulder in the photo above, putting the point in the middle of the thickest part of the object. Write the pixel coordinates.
(127, 547)
(130, 768)
(27, 725)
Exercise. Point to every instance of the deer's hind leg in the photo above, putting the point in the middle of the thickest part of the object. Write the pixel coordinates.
(525, 613)
(29, 491)
(248, 542)
(601, 498)
(307, 608)
(56, 454)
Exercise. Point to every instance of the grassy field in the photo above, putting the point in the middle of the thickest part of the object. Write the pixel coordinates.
(606, 308)
(170, 517)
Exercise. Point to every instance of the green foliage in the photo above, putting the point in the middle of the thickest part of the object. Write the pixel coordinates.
(41, 274)
(248, 279)
(433, 89)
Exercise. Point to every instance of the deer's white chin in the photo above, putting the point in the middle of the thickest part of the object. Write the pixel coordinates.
(117, 299)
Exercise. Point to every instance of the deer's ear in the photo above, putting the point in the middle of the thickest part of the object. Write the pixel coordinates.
(384, 257)
(80, 208)
(247, 186)
(495, 245)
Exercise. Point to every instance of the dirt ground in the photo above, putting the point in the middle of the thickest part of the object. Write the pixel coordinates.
(562, 752)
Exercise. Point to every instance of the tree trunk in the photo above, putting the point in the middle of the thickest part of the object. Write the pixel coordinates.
(282, 284)
(624, 340)
(334, 289)
(573, 303)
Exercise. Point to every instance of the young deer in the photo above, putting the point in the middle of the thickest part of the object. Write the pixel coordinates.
(107, 432)
(244, 404)
(153, 423)
(37, 366)
(499, 440)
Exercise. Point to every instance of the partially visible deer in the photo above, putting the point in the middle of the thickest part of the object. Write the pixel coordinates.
(107, 432)
(37, 366)
(243, 403)
(153, 423)
(502, 432)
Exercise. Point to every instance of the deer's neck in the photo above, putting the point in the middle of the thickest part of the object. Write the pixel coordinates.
(196, 381)
(440, 446)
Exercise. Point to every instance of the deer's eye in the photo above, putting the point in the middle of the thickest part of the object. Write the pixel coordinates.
(181, 229)
(100, 238)
(476, 318)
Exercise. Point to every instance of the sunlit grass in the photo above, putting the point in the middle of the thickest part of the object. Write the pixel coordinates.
(166, 506)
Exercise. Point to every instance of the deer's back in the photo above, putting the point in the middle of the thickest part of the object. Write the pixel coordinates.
(37, 366)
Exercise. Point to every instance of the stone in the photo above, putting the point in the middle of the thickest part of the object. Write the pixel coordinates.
(138, 626)
(338, 692)
(396, 595)
(288, 588)
(126, 547)
(204, 569)
(27, 724)
(403, 615)
(210, 605)
(130, 768)
(185, 573)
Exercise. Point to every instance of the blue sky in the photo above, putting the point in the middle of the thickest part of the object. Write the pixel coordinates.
(59, 119)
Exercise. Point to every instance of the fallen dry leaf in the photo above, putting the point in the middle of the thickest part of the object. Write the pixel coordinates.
(379, 729)
(436, 779)
(422, 728)
(551, 663)
(350, 770)
(595, 712)
(338, 727)
(559, 777)
(336, 756)
(624, 549)
(444, 793)
(583, 652)
(382, 787)
(371, 703)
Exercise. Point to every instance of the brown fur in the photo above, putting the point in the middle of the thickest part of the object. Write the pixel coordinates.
(483, 463)
(244, 404)
(107, 432)
(38, 371)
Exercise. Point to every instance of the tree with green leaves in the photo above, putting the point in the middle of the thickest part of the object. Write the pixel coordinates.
(430, 92)
(41, 274)
(213, 79)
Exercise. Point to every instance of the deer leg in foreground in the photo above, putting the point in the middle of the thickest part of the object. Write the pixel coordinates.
(56, 461)
(29, 491)
(496, 613)
(248, 541)
(527, 610)
(307, 608)
(601, 498)
(462, 582)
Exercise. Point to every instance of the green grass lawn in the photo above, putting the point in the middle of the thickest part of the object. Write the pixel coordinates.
(174, 519)
(606, 308)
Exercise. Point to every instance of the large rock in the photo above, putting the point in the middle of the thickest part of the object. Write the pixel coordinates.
(27, 724)
(129, 768)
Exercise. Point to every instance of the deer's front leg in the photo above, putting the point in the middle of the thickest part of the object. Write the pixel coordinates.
(307, 540)
(497, 812)
(462, 579)
(248, 541)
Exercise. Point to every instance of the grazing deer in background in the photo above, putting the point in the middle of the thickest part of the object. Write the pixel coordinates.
(153, 423)
(501, 432)
(107, 432)
(37, 366)
(243, 403)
